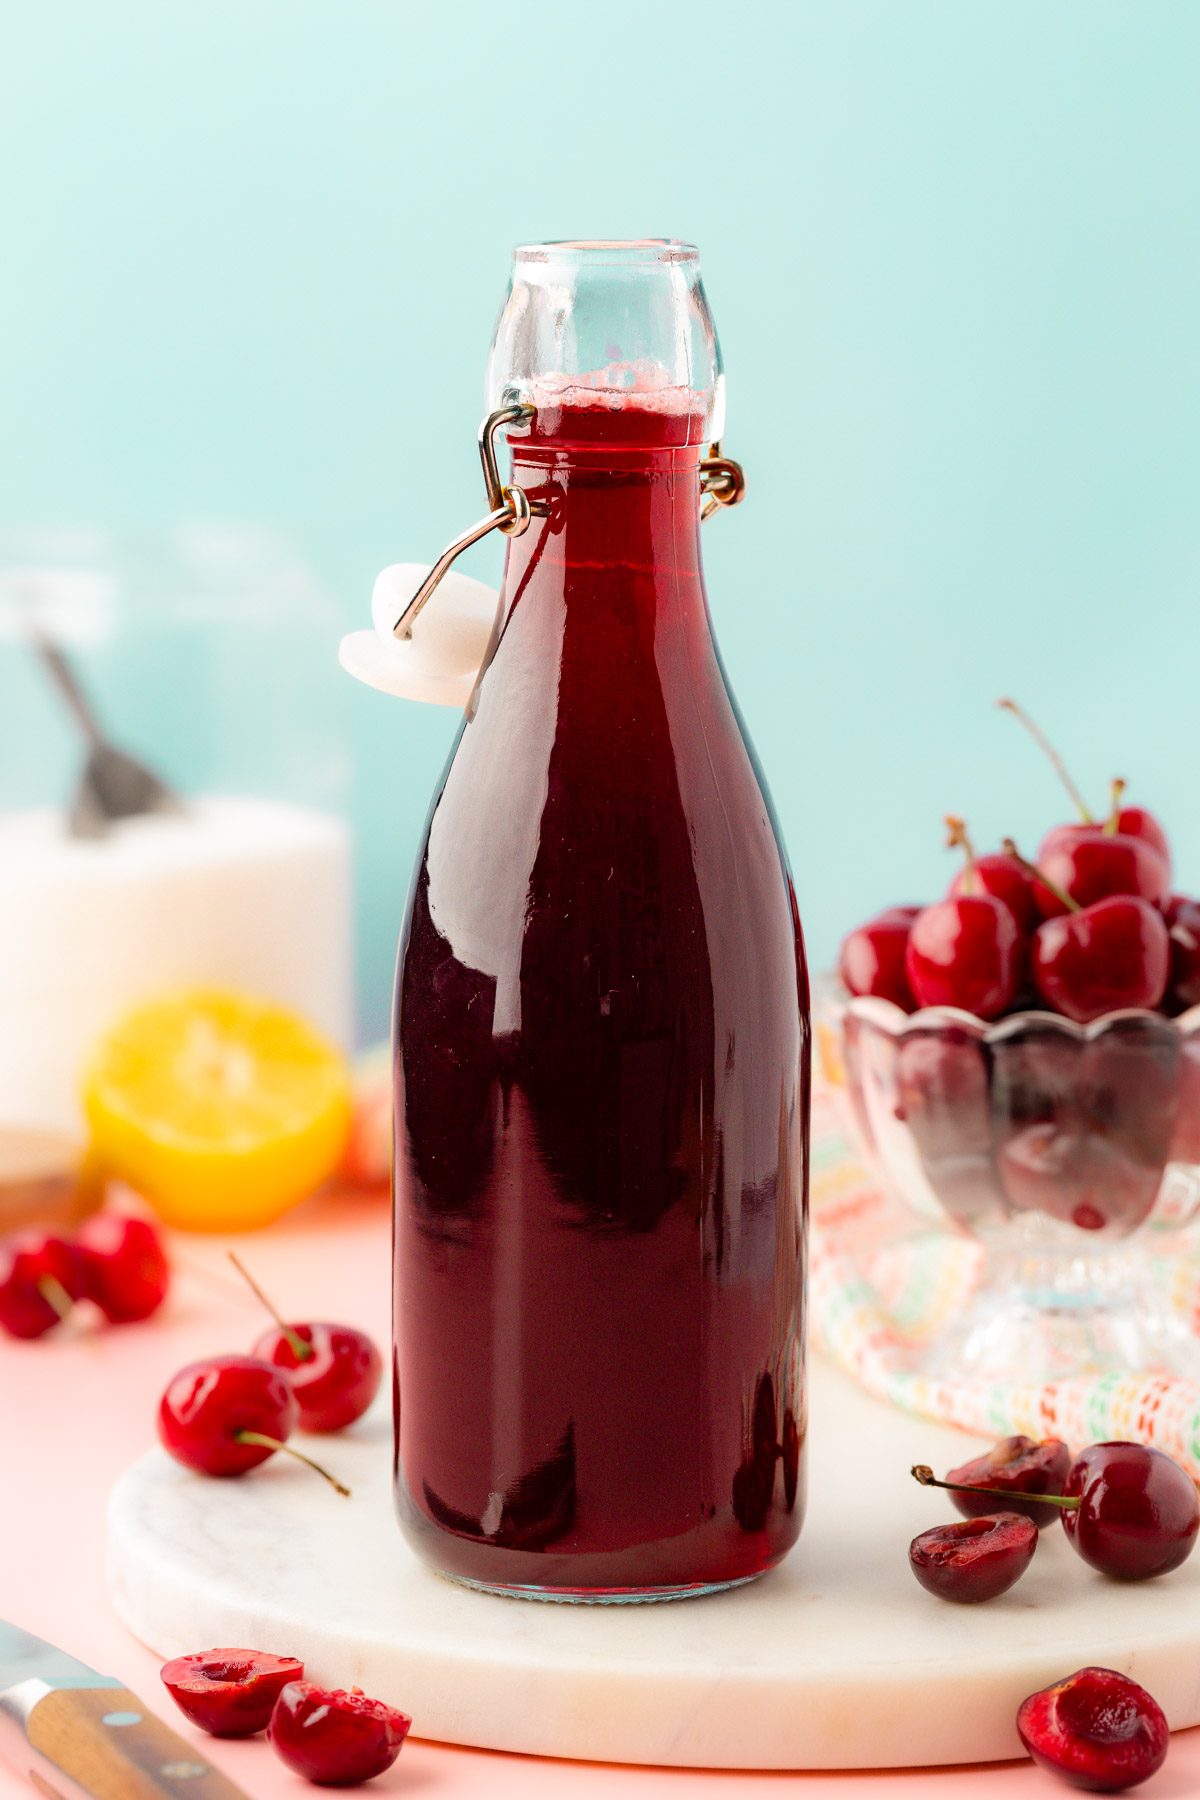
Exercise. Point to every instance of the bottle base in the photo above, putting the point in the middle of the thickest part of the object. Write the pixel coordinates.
(618, 1596)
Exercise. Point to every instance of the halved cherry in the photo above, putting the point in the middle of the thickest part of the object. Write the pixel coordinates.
(974, 1559)
(1018, 1468)
(230, 1693)
(1097, 1729)
(335, 1737)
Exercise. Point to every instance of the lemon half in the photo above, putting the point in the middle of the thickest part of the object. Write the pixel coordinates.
(222, 1109)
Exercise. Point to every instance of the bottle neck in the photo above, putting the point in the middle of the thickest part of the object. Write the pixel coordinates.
(620, 485)
(616, 508)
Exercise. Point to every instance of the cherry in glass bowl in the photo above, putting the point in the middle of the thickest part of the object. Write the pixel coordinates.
(1071, 1153)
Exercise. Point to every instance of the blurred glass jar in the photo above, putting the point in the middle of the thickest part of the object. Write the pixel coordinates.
(1071, 1153)
(208, 655)
(206, 651)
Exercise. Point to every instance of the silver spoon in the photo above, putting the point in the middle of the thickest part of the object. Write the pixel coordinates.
(113, 785)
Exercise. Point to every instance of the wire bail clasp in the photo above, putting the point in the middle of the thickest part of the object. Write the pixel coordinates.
(722, 481)
(510, 512)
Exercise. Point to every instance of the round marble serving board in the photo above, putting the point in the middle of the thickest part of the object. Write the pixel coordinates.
(835, 1660)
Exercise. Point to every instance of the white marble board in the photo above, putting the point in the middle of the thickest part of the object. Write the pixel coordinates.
(836, 1660)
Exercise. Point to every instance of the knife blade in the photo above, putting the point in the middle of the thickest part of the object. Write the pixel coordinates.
(82, 1736)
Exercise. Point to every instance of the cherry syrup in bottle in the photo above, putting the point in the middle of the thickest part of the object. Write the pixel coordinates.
(602, 1047)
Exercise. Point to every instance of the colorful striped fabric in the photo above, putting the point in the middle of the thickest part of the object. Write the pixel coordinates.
(883, 1282)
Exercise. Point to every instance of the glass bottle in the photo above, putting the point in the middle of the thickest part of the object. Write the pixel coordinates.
(601, 1015)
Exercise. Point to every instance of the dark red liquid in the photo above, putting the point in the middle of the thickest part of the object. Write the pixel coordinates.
(602, 1073)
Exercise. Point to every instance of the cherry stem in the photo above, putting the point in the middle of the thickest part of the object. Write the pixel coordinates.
(1112, 823)
(55, 1294)
(270, 1443)
(300, 1350)
(1043, 742)
(924, 1474)
(958, 838)
(1060, 894)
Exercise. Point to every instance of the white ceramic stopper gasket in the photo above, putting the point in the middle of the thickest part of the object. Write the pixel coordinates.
(440, 661)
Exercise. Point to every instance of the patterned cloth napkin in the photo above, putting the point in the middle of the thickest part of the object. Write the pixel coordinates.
(883, 1282)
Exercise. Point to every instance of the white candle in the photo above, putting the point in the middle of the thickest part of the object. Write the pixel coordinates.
(251, 894)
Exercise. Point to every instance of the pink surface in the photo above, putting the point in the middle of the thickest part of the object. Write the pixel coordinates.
(75, 1411)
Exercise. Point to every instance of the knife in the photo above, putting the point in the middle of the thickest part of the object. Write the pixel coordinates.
(82, 1736)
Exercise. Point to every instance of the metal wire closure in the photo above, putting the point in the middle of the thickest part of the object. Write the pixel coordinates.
(519, 414)
(722, 482)
(510, 512)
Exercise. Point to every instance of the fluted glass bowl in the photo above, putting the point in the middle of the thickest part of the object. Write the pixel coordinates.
(1070, 1152)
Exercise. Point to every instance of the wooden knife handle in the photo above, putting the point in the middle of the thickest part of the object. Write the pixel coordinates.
(106, 1743)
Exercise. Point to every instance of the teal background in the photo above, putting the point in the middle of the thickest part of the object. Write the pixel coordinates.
(252, 255)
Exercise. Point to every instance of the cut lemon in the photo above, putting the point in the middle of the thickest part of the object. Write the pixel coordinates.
(221, 1109)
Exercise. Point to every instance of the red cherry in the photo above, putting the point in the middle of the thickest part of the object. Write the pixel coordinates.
(334, 1370)
(40, 1279)
(1137, 1513)
(228, 1414)
(124, 1266)
(871, 959)
(1088, 864)
(974, 1559)
(338, 1379)
(1005, 880)
(1135, 821)
(209, 1407)
(1097, 1729)
(1183, 928)
(230, 1693)
(333, 1737)
(966, 953)
(1113, 954)
(1068, 834)
(1127, 821)
(1019, 1468)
